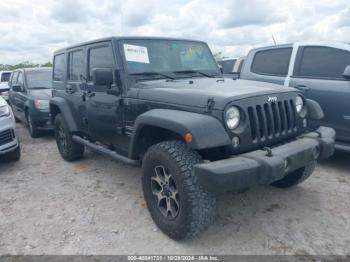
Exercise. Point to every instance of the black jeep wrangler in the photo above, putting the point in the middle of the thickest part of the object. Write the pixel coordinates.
(162, 104)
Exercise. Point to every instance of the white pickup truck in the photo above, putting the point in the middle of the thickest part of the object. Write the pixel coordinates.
(320, 70)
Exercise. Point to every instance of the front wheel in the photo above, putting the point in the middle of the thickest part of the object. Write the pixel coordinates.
(32, 128)
(296, 177)
(69, 149)
(177, 204)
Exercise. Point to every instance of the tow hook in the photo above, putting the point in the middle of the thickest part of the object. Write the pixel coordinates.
(268, 151)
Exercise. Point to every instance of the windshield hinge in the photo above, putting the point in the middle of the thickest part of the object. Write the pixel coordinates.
(210, 104)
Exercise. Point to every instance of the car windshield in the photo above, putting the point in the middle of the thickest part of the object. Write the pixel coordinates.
(39, 79)
(168, 58)
(5, 77)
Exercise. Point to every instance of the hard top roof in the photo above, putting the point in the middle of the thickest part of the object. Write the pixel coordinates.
(116, 38)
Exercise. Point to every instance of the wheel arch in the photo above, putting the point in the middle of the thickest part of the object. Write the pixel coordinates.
(60, 106)
(158, 125)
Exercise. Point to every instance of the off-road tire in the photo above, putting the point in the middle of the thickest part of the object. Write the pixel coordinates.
(197, 206)
(296, 177)
(14, 155)
(69, 149)
(32, 128)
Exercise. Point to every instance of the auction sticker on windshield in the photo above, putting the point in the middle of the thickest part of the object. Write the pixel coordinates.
(134, 53)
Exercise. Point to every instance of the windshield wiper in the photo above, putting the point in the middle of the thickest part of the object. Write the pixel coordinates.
(153, 74)
(193, 72)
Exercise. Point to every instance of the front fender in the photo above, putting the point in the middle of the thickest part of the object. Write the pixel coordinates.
(207, 131)
(64, 110)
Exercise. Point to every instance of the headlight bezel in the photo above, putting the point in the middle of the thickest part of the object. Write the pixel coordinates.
(5, 111)
(302, 111)
(233, 111)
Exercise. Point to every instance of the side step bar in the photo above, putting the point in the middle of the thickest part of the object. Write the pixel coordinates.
(106, 152)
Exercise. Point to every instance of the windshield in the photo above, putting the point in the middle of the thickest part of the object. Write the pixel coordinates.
(168, 57)
(39, 79)
(5, 77)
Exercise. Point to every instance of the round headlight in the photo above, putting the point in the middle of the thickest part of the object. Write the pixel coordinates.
(299, 104)
(233, 117)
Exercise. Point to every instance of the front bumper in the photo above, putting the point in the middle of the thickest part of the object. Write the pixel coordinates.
(8, 123)
(42, 120)
(260, 168)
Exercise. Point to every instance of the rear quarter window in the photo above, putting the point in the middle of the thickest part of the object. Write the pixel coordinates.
(59, 67)
(272, 62)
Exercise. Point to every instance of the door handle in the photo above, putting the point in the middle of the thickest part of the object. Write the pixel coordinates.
(90, 94)
(70, 90)
(302, 87)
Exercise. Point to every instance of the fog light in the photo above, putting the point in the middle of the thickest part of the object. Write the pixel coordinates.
(235, 141)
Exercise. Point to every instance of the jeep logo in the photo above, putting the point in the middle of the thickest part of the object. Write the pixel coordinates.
(271, 99)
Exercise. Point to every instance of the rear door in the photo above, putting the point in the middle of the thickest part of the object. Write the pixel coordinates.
(75, 87)
(318, 73)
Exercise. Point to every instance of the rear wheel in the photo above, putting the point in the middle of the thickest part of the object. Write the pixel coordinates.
(69, 149)
(296, 177)
(178, 205)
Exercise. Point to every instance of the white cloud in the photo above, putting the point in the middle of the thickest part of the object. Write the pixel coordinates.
(32, 30)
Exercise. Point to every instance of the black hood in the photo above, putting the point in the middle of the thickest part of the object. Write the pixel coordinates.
(44, 94)
(197, 91)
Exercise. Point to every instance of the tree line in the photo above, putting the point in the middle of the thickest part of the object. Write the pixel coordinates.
(25, 64)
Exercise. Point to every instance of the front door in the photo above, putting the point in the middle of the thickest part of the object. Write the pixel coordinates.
(104, 111)
(318, 73)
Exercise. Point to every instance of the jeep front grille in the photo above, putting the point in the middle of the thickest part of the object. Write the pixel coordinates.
(272, 120)
(6, 136)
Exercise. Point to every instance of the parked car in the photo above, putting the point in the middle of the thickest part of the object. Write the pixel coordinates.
(4, 87)
(162, 104)
(321, 71)
(231, 67)
(29, 95)
(9, 144)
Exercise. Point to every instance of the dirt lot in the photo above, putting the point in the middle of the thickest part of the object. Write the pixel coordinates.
(95, 206)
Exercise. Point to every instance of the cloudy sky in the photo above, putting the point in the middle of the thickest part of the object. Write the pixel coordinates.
(32, 30)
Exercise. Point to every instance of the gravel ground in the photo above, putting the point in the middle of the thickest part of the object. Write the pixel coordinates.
(95, 206)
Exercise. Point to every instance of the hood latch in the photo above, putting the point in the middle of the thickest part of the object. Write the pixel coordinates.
(210, 104)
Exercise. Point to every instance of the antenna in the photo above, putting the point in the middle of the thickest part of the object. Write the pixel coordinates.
(274, 41)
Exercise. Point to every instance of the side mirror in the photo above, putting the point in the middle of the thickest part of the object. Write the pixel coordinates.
(221, 68)
(17, 88)
(346, 73)
(102, 76)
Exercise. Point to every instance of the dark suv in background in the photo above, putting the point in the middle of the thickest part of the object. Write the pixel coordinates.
(29, 95)
(163, 104)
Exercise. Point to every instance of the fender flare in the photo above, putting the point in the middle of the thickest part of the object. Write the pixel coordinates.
(314, 110)
(207, 131)
(64, 109)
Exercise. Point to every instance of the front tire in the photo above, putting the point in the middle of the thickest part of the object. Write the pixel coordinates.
(32, 128)
(69, 149)
(177, 204)
(296, 177)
